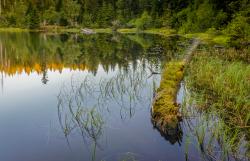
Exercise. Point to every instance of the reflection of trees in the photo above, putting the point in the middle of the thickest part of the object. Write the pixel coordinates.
(25, 51)
(44, 69)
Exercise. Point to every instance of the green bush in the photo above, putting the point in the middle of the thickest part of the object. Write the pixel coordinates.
(116, 24)
(144, 21)
(239, 30)
(51, 16)
(33, 19)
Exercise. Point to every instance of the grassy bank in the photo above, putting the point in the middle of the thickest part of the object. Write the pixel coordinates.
(14, 30)
(225, 81)
(210, 37)
(222, 86)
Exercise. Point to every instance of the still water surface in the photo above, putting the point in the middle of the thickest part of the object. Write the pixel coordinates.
(79, 98)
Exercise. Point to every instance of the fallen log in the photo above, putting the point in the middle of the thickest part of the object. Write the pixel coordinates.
(165, 111)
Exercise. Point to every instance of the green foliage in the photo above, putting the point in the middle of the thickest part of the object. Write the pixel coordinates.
(51, 16)
(239, 30)
(143, 22)
(33, 19)
(184, 16)
(225, 83)
(70, 11)
(105, 15)
(59, 5)
(204, 16)
(116, 24)
(220, 20)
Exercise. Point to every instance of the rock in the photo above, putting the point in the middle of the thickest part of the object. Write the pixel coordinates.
(87, 31)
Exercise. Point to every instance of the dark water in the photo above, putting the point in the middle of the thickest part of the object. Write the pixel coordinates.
(79, 98)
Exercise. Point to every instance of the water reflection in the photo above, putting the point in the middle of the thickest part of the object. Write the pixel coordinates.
(172, 135)
(103, 106)
(34, 52)
(86, 105)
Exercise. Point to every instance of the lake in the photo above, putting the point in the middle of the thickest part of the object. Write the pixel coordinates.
(76, 97)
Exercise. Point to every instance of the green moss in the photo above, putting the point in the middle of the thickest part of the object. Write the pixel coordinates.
(165, 111)
(131, 30)
(210, 38)
(57, 29)
(104, 30)
(161, 31)
(13, 30)
(221, 39)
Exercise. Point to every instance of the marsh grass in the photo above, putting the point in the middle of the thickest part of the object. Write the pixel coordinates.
(210, 134)
(13, 30)
(227, 54)
(210, 37)
(85, 105)
(221, 87)
(227, 85)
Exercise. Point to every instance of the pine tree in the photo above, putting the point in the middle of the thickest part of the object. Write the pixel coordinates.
(59, 5)
(33, 19)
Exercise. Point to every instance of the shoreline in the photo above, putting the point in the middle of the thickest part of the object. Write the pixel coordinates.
(220, 39)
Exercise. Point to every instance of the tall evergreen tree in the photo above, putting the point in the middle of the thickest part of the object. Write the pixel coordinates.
(33, 19)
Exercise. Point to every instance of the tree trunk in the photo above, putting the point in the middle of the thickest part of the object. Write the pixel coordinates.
(0, 7)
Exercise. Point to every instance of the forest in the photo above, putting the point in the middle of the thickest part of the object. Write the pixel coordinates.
(186, 16)
(125, 80)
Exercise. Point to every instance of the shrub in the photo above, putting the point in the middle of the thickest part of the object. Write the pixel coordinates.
(144, 21)
(239, 30)
(116, 24)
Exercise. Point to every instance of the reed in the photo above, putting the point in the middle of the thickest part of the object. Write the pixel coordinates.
(227, 85)
(220, 87)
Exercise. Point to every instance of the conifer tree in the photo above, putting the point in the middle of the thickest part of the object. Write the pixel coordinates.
(33, 19)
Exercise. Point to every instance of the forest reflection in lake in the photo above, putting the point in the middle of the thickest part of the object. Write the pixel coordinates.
(75, 97)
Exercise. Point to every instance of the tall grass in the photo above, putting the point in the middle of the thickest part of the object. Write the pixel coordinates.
(221, 87)
(227, 82)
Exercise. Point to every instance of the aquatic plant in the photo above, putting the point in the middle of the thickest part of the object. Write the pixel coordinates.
(212, 137)
(221, 88)
(227, 82)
